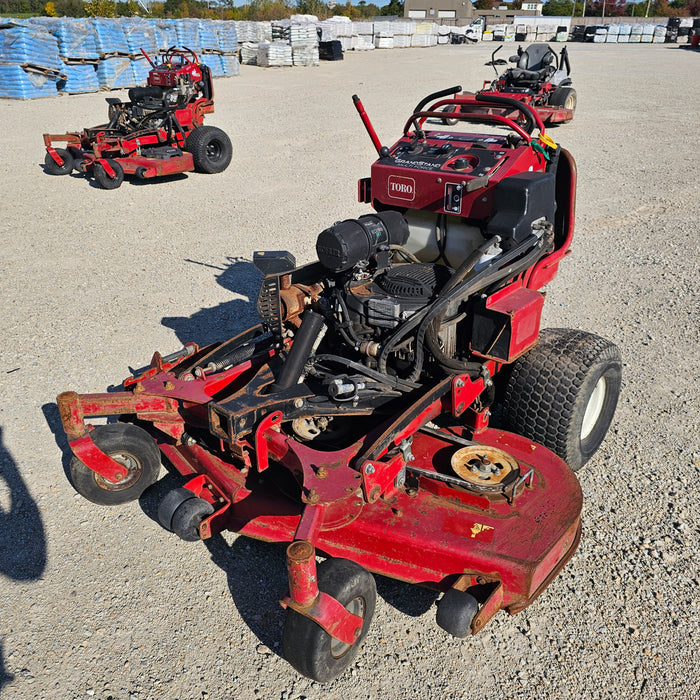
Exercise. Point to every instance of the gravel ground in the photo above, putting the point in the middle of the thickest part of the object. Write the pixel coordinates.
(104, 603)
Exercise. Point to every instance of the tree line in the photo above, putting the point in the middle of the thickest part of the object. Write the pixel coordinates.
(254, 10)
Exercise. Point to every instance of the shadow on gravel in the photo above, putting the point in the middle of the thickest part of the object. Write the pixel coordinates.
(406, 597)
(257, 578)
(53, 420)
(22, 538)
(225, 320)
(5, 678)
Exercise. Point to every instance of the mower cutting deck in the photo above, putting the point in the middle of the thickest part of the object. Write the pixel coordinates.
(160, 131)
(354, 422)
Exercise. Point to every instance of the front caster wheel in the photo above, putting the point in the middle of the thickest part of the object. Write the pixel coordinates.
(307, 646)
(106, 181)
(53, 168)
(132, 447)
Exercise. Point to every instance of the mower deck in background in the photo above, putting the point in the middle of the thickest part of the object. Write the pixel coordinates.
(160, 131)
(356, 421)
(540, 79)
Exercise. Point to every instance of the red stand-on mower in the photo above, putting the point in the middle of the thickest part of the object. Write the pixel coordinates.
(160, 131)
(355, 421)
(540, 79)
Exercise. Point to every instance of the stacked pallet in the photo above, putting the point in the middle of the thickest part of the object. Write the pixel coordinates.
(30, 65)
(274, 54)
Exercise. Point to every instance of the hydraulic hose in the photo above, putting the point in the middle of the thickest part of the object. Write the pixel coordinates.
(293, 366)
(499, 269)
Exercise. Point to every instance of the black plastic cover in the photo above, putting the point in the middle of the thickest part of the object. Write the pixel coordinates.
(518, 201)
(346, 243)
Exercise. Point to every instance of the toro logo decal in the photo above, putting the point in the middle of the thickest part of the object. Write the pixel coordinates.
(401, 187)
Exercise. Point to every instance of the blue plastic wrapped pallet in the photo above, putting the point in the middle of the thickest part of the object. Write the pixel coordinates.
(19, 84)
(115, 72)
(140, 34)
(140, 69)
(187, 33)
(215, 64)
(228, 36)
(29, 45)
(76, 37)
(166, 36)
(208, 35)
(79, 79)
(231, 66)
(110, 39)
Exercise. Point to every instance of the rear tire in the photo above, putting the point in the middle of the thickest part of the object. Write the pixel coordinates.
(53, 168)
(129, 445)
(563, 97)
(449, 109)
(210, 148)
(307, 646)
(104, 180)
(563, 393)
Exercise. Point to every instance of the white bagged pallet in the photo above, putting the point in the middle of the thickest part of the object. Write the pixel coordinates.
(402, 41)
(305, 54)
(362, 29)
(384, 29)
(363, 42)
(420, 40)
(276, 53)
(383, 42)
(249, 53)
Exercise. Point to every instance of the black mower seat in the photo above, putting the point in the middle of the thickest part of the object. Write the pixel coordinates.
(146, 94)
(536, 57)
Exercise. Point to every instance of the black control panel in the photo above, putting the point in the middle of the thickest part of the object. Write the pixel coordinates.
(474, 161)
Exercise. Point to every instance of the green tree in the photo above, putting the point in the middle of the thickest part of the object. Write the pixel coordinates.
(558, 8)
(101, 8)
(393, 9)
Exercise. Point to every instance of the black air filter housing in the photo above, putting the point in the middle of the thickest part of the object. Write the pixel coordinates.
(346, 243)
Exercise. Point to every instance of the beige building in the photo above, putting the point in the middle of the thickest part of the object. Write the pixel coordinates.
(439, 9)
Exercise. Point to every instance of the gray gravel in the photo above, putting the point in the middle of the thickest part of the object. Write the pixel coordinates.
(103, 603)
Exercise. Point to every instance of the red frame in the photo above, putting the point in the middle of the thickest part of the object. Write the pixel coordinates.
(354, 502)
(98, 145)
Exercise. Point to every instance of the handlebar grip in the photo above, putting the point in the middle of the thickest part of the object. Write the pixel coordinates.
(437, 95)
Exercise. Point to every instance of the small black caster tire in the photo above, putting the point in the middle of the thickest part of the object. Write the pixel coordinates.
(307, 646)
(132, 447)
(456, 612)
(211, 149)
(188, 517)
(80, 166)
(170, 503)
(563, 393)
(53, 168)
(104, 180)
(140, 172)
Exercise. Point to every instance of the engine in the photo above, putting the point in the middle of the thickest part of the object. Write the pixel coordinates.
(370, 302)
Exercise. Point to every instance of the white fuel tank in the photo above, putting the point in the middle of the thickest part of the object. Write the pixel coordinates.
(455, 239)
